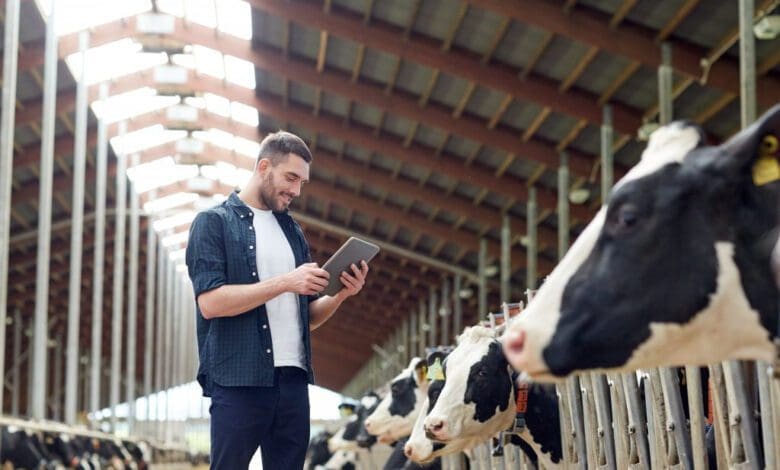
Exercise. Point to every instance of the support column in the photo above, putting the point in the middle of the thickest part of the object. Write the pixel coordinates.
(76, 235)
(457, 306)
(665, 81)
(433, 318)
(97, 268)
(40, 335)
(445, 312)
(132, 303)
(7, 119)
(606, 155)
(482, 265)
(530, 275)
(151, 262)
(119, 277)
(563, 206)
(506, 259)
(15, 370)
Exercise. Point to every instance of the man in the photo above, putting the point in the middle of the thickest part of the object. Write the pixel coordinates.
(257, 300)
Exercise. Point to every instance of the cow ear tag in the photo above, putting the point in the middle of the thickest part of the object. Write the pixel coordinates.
(436, 372)
(345, 412)
(767, 169)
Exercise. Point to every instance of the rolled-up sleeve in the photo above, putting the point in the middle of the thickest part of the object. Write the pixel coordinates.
(205, 255)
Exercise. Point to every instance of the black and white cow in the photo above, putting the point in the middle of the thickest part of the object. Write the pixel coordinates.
(395, 415)
(19, 449)
(341, 460)
(318, 452)
(477, 400)
(675, 269)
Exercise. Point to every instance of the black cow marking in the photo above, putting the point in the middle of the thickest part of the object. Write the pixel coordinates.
(483, 389)
(543, 419)
(403, 396)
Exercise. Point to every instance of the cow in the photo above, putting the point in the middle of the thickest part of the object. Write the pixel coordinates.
(674, 269)
(341, 460)
(478, 400)
(19, 449)
(396, 413)
(318, 452)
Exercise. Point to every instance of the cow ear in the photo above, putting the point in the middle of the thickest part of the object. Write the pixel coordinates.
(754, 150)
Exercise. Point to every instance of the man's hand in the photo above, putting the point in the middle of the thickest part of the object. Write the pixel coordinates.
(307, 279)
(354, 281)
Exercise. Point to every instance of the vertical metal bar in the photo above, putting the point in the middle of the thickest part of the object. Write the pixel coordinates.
(482, 278)
(119, 277)
(40, 336)
(457, 306)
(422, 327)
(433, 317)
(413, 349)
(445, 312)
(56, 400)
(675, 417)
(159, 355)
(7, 119)
(16, 372)
(665, 78)
(132, 303)
(696, 413)
(506, 259)
(168, 340)
(563, 205)
(606, 155)
(530, 275)
(747, 63)
(97, 268)
(740, 411)
(403, 344)
(76, 234)
(151, 262)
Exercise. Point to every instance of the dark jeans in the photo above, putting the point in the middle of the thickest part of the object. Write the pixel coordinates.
(274, 418)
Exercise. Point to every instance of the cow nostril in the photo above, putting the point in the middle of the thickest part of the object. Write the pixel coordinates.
(408, 451)
(514, 342)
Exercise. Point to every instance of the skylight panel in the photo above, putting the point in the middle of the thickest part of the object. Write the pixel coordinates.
(175, 239)
(130, 104)
(145, 138)
(209, 61)
(235, 18)
(158, 173)
(177, 255)
(113, 60)
(246, 147)
(167, 203)
(240, 72)
(217, 104)
(76, 15)
(167, 223)
(217, 137)
(243, 113)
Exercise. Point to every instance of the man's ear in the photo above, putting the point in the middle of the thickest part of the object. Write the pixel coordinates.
(262, 165)
(753, 150)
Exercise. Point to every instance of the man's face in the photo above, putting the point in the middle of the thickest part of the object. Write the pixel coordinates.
(283, 182)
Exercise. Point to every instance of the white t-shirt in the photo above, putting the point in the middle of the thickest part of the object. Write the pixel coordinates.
(275, 257)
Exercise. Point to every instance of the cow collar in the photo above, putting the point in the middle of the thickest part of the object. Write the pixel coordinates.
(521, 404)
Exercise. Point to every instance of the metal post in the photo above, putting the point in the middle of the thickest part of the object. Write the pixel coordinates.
(56, 399)
(696, 413)
(506, 259)
(530, 275)
(162, 292)
(97, 268)
(167, 340)
(445, 312)
(606, 155)
(482, 278)
(40, 336)
(665, 78)
(433, 317)
(119, 277)
(7, 118)
(132, 303)
(17, 348)
(747, 63)
(413, 342)
(151, 262)
(563, 205)
(422, 328)
(76, 242)
(457, 307)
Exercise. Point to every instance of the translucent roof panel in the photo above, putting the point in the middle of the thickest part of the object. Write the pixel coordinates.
(158, 173)
(170, 202)
(228, 141)
(231, 16)
(130, 104)
(227, 174)
(145, 138)
(113, 60)
(71, 15)
(215, 64)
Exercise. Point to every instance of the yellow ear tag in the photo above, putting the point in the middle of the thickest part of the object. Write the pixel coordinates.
(345, 412)
(767, 169)
(436, 372)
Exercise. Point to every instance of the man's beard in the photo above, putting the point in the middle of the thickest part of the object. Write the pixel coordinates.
(269, 196)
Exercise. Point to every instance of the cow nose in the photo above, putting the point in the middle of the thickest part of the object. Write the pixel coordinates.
(434, 427)
(368, 424)
(514, 341)
(408, 452)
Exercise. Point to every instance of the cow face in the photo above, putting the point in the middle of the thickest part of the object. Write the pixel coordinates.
(396, 413)
(342, 460)
(678, 261)
(318, 452)
(478, 391)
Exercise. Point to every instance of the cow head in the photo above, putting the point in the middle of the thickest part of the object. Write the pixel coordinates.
(396, 413)
(341, 460)
(318, 452)
(675, 269)
(478, 390)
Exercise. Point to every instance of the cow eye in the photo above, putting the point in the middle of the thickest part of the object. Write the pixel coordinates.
(626, 218)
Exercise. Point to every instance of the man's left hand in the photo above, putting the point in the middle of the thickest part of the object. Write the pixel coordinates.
(353, 281)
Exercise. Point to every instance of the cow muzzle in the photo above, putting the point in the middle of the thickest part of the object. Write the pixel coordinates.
(436, 429)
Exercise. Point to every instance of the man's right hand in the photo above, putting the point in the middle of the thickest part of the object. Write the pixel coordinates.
(307, 279)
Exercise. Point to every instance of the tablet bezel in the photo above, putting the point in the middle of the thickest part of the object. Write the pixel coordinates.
(352, 251)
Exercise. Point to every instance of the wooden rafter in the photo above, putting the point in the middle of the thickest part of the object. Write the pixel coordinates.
(623, 10)
(675, 21)
(578, 69)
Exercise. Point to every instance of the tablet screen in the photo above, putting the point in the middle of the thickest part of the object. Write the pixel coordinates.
(352, 251)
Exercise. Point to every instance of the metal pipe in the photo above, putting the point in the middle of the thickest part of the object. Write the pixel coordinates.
(119, 278)
(665, 83)
(56, 400)
(7, 119)
(132, 303)
(99, 250)
(606, 155)
(530, 275)
(482, 266)
(421, 336)
(162, 282)
(413, 343)
(563, 205)
(445, 312)
(433, 317)
(15, 369)
(457, 306)
(151, 262)
(747, 63)
(506, 259)
(40, 336)
(76, 235)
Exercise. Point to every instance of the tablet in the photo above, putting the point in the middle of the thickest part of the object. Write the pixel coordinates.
(352, 251)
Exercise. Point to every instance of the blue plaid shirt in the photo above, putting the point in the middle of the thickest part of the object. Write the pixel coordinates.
(237, 351)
